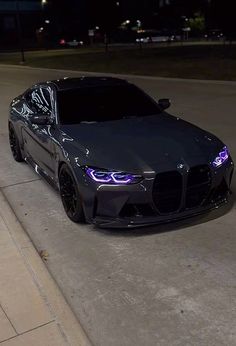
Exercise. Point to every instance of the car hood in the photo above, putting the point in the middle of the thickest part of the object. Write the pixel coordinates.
(139, 144)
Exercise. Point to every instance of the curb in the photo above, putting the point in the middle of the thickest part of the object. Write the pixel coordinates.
(126, 76)
(68, 324)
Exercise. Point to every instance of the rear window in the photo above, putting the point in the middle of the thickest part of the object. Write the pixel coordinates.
(104, 103)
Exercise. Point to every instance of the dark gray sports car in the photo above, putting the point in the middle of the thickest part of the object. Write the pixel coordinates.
(117, 158)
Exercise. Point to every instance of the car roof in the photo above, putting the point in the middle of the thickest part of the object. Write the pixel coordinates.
(74, 83)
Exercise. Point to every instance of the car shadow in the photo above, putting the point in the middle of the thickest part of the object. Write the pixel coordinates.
(171, 226)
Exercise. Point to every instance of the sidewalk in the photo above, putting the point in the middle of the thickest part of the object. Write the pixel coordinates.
(32, 309)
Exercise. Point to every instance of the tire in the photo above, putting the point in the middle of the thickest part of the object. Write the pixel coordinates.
(14, 144)
(70, 196)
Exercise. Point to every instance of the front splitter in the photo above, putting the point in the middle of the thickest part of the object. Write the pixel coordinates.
(138, 222)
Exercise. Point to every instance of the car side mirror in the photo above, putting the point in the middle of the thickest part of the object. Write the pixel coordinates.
(164, 104)
(41, 119)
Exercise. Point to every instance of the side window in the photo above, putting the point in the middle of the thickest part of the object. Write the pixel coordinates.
(40, 100)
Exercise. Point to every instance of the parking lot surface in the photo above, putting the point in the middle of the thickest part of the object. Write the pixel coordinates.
(165, 285)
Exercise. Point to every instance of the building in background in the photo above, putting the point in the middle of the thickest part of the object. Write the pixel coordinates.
(30, 13)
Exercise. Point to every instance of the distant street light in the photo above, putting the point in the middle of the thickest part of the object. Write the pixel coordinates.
(19, 30)
(139, 24)
(44, 2)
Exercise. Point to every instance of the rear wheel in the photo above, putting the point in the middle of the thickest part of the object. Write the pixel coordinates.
(70, 196)
(14, 144)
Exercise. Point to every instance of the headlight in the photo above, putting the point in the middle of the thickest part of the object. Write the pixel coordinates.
(221, 158)
(112, 177)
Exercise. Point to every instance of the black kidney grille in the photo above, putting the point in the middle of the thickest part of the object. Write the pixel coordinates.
(198, 186)
(167, 192)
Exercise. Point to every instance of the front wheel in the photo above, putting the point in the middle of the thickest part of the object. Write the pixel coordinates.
(70, 196)
(14, 144)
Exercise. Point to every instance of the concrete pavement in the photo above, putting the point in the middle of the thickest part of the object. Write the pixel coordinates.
(29, 313)
(168, 285)
(24, 315)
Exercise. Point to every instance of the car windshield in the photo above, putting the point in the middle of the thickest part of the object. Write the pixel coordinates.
(103, 103)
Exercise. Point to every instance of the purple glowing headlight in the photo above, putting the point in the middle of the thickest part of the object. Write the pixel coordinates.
(221, 158)
(112, 177)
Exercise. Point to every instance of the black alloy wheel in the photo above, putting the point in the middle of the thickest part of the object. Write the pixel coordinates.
(70, 196)
(14, 144)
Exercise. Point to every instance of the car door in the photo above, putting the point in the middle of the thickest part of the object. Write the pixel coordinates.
(38, 139)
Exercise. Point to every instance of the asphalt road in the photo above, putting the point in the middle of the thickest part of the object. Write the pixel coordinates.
(169, 285)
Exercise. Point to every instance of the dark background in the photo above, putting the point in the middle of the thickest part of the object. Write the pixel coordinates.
(73, 19)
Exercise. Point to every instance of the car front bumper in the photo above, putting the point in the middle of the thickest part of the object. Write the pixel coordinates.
(129, 206)
(138, 221)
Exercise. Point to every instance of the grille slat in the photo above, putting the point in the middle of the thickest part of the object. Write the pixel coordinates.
(167, 192)
(169, 188)
(198, 186)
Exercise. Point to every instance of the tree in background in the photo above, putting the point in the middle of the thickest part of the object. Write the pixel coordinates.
(105, 14)
(222, 16)
(197, 24)
(173, 15)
